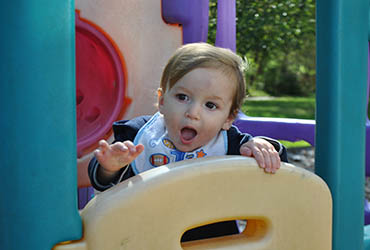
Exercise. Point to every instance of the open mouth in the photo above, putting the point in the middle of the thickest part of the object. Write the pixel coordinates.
(188, 134)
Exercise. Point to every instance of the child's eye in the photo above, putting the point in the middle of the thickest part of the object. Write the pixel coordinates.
(182, 97)
(211, 105)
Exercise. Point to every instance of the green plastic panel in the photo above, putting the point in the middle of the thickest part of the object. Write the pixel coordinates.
(38, 197)
(342, 49)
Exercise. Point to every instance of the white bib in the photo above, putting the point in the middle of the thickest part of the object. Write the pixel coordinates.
(159, 150)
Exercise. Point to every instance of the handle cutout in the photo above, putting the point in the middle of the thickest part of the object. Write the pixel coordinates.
(226, 233)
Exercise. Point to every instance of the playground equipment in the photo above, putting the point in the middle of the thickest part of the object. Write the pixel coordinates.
(131, 72)
(119, 63)
(196, 193)
(38, 108)
(283, 128)
(95, 113)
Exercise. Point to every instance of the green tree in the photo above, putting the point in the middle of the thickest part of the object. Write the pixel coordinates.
(278, 38)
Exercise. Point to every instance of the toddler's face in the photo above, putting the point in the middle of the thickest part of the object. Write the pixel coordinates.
(197, 107)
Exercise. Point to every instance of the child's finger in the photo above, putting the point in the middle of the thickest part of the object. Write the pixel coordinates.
(103, 146)
(275, 161)
(138, 150)
(267, 160)
(119, 146)
(97, 153)
(258, 155)
(131, 147)
(245, 151)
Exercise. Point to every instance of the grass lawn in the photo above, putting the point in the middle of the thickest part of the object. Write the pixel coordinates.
(283, 107)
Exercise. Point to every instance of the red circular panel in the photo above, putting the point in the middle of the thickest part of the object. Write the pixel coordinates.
(99, 84)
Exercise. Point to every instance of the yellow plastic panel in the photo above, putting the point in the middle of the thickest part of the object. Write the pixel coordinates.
(291, 209)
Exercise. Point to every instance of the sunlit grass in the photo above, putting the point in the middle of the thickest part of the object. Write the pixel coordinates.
(298, 144)
(283, 107)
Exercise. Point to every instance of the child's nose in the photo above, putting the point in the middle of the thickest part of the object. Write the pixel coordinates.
(193, 112)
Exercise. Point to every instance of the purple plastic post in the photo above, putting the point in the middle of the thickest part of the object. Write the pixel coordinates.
(191, 14)
(85, 194)
(226, 24)
(367, 151)
(278, 128)
(82, 197)
(367, 212)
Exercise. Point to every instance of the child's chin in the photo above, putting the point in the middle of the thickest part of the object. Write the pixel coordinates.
(186, 148)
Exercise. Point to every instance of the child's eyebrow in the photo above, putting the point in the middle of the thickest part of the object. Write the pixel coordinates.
(218, 98)
(213, 97)
(183, 89)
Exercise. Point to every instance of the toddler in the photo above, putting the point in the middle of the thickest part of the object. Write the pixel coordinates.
(201, 91)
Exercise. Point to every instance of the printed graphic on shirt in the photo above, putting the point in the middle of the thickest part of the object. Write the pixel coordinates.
(160, 159)
(201, 153)
(157, 160)
(168, 143)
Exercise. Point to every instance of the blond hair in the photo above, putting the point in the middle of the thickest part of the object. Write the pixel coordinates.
(203, 55)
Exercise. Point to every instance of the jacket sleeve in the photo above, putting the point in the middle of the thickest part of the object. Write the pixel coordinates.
(123, 130)
(236, 139)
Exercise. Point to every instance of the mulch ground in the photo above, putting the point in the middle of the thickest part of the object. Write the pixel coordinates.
(305, 158)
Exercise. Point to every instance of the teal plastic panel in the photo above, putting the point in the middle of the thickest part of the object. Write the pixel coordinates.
(38, 192)
(367, 237)
(342, 42)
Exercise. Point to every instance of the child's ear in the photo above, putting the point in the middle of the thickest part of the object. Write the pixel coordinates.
(229, 121)
(160, 98)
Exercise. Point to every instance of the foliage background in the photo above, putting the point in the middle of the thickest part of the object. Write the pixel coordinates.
(278, 39)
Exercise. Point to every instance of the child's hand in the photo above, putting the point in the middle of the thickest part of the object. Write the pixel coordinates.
(264, 153)
(114, 157)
